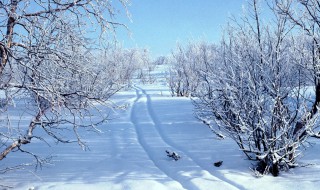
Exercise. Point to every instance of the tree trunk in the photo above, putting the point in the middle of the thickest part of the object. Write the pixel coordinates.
(4, 47)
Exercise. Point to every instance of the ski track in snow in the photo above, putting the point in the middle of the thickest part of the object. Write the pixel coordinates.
(144, 143)
(177, 172)
(130, 153)
(180, 148)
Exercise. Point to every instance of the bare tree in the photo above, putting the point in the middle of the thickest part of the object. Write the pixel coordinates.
(256, 91)
(305, 15)
(47, 67)
(126, 64)
(145, 66)
(187, 64)
(161, 60)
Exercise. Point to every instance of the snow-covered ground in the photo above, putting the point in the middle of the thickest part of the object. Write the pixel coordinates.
(130, 153)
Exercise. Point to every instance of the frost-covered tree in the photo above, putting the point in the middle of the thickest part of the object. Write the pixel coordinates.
(256, 91)
(161, 60)
(305, 15)
(145, 66)
(126, 64)
(48, 71)
(187, 62)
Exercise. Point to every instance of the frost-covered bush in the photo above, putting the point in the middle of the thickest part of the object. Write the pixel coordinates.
(126, 64)
(256, 91)
(187, 64)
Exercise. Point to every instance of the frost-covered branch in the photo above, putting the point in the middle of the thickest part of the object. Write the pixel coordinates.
(50, 72)
(256, 92)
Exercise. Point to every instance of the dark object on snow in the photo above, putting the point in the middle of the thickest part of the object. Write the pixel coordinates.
(173, 155)
(218, 164)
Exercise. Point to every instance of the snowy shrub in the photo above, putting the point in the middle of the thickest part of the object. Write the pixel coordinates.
(162, 60)
(126, 64)
(187, 63)
(256, 92)
(145, 67)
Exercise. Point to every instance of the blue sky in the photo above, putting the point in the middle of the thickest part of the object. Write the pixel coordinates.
(159, 24)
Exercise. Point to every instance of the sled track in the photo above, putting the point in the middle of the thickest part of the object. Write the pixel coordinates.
(168, 141)
(143, 142)
(176, 172)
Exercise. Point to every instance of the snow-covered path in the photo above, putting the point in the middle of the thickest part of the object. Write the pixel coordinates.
(151, 137)
(130, 153)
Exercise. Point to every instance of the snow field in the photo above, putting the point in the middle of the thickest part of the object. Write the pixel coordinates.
(130, 153)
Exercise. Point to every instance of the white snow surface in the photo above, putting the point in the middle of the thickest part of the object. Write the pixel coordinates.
(130, 153)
